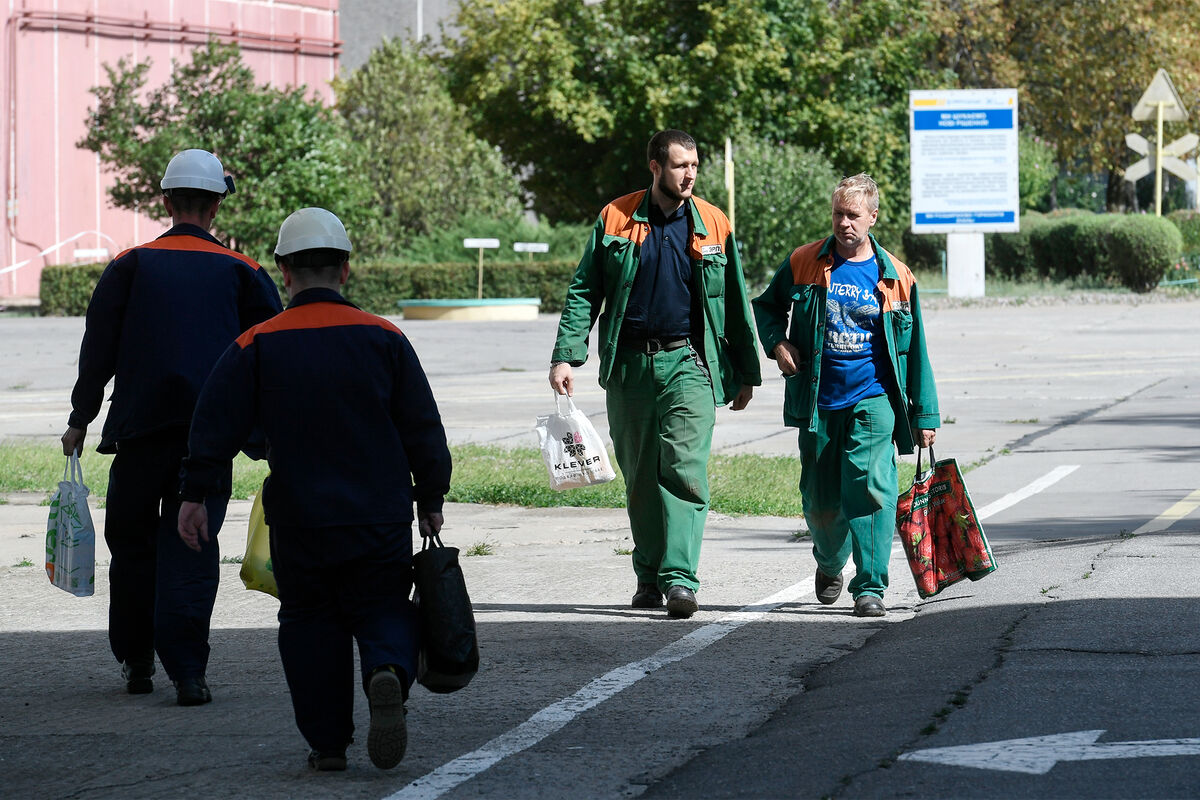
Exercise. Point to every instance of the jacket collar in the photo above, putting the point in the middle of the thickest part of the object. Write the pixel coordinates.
(643, 213)
(887, 270)
(188, 229)
(319, 295)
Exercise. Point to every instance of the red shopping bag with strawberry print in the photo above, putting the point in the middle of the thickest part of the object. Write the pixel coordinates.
(939, 530)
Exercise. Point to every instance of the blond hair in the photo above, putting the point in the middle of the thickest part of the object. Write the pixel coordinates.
(857, 187)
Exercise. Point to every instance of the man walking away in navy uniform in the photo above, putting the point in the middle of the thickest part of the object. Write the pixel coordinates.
(159, 318)
(354, 438)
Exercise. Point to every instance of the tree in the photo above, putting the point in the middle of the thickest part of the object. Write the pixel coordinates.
(849, 69)
(782, 200)
(571, 93)
(1080, 66)
(426, 168)
(284, 151)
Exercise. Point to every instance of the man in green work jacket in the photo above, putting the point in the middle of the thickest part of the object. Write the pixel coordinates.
(859, 385)
(676, 340)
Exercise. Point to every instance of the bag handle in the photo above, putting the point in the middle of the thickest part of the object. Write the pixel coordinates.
(73, 470)
(558, 404)
(932, 458)
(436, 542)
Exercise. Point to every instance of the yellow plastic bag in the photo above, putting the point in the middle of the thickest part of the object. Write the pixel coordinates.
(256, 566)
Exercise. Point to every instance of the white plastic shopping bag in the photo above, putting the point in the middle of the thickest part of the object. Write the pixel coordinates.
(573, 451)
(70, 536)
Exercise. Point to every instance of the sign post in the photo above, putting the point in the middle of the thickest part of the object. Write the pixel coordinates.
(481, 245)
(965, 174)
(531, 248)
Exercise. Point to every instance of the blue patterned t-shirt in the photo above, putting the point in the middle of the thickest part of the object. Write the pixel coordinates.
(854, 360)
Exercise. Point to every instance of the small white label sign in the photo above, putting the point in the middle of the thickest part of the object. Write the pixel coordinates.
(481, 244)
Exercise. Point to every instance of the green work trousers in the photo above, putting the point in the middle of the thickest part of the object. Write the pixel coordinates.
(661, 417)
(848, 485)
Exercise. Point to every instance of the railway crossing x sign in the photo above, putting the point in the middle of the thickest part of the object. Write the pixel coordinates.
(1160, 102)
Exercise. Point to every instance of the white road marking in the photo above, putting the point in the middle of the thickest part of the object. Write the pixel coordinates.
(555, 716)
(1037, 755)
(1173, 514)
(1049, 479)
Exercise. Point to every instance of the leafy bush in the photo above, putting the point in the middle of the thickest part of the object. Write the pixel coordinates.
(781, 200)
(1012, 254)
(923, 251)
(66, 289)
(1142, 248)
(1037, 170)
(1188, 222)
(1054, 247)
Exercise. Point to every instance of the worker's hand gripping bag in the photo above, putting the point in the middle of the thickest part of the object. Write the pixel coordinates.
(939, 530)
(70, 535)
(449, 653)
(256, 570)
(572, 449)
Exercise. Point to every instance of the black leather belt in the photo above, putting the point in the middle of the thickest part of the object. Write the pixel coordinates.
(652, 346)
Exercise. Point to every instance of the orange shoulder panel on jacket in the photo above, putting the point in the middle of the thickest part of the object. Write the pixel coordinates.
(898, 293)
(807, 266)
(715, 222)
(184, 242)
(316, 315)
(618, 218)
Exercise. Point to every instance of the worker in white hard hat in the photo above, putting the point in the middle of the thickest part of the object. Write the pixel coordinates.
(354, 440)
(159, 318)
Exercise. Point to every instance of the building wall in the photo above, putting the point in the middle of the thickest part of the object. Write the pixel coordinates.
(53, 52)
(365, 23)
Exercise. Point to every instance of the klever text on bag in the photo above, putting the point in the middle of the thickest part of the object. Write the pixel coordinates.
(70, 535)
(574, 453)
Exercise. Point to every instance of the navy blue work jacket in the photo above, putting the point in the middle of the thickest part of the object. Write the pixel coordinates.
(353, 433)
(159, 318)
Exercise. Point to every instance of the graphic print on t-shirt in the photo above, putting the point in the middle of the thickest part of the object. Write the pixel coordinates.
(849, 362)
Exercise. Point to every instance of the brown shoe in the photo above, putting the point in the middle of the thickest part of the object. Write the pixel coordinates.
(828, 589)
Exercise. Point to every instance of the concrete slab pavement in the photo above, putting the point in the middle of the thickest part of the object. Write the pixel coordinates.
(1041, 381)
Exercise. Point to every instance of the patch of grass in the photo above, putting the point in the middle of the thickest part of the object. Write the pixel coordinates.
(232, 559)
(24, 562)
(1127, 534)
(1049, 589)
(484, 548)
(949, 420)
(1033, 421)
(38, 467)
(739, 484)
(622, 551)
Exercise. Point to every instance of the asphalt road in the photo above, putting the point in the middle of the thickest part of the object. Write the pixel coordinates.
(1069, 672)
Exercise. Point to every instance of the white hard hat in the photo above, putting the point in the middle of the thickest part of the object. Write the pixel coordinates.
(309, 229)
(195, 169)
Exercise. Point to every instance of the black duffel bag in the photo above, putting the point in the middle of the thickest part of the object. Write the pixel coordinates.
(449, 655)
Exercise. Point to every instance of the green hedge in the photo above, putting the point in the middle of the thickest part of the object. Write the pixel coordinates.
(1141, 249)
(1134, 250)
(66, 289)
(1012, 253)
